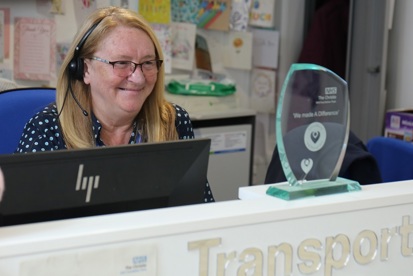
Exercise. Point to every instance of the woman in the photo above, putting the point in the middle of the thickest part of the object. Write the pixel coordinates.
(110, 91)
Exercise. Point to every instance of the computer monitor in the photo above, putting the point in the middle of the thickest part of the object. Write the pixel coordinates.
(76, 183)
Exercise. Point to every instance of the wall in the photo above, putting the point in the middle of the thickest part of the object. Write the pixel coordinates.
(290, 27)
(400, 57)
(290, 23)
(65, 25)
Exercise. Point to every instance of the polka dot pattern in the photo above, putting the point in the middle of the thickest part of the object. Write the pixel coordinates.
(42, 132)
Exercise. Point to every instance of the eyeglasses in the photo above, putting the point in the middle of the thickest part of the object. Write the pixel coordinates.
(124, 68)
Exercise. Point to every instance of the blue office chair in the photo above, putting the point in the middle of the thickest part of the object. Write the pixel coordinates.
(17, 106)
(394, 157)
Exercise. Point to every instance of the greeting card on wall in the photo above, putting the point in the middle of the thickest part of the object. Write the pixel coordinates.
(158, 11)
(265, 48)
(240, 15)
(214, 14)
(57, 7)
(163, 33)
(35, 44)
(239, 50)
(263, 90)
(262, 13)
(183, 45)
(211, 47)
(184, 10)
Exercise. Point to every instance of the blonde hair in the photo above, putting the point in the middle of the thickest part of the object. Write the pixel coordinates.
(157, 116)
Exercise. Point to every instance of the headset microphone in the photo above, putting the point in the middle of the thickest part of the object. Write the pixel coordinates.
(77, 101)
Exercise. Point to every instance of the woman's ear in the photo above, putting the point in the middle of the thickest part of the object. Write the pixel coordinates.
(86, 73)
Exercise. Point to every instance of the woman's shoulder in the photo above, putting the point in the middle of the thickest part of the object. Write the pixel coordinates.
(42, 132)
(179, 109)
(181, 113)
(47, 115)
(183, 123)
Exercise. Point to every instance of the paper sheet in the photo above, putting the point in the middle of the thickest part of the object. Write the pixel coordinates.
(133, 260)
(35, 44)
(265, 48)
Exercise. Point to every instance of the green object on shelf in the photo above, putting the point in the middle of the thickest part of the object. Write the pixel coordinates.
(200, 88)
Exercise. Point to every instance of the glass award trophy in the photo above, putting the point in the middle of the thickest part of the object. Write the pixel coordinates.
(312, 129)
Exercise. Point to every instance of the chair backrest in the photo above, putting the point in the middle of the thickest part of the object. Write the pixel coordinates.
(394, 158)
(17, 106)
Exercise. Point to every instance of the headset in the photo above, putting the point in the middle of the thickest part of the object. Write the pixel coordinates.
(76, 64)
(76, 68)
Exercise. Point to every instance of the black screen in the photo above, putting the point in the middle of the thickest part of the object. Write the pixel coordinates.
(76, 183)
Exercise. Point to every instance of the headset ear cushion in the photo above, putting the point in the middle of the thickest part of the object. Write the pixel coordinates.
(72, 67)
(79, 70)
(76, 68)
(76, 65)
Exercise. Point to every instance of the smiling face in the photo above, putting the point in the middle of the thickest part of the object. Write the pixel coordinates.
(120, 98)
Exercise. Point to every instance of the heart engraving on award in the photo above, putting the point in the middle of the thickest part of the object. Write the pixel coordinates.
(315, 135)
(306, 165)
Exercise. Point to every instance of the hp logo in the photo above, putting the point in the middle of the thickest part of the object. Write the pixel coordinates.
(86, 183)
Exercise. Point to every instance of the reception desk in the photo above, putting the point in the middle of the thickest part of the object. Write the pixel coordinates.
(369, 232)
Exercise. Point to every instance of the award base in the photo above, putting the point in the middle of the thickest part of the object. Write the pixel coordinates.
(313, 188)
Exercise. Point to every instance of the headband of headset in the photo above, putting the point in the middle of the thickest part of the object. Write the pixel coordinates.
(76, 64)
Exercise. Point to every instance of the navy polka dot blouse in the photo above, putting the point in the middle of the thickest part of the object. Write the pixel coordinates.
(42, 133)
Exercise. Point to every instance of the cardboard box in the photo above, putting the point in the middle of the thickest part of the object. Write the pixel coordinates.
(399, 124)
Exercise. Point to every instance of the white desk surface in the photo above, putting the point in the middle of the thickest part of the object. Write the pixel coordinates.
(252, 225)
(368, 196)
(256, 207)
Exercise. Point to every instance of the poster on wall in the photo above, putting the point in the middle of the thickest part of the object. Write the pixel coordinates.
(214, 15)
(1, 36)
(263, 90)
(156, 11)
(183, 45)
(184, 10)
(163, 33)
(35, 44)
(262, 13)
(6, 31)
